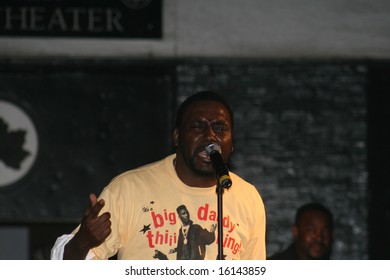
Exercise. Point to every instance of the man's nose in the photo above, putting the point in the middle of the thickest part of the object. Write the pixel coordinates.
(209, 131)
(318, 236)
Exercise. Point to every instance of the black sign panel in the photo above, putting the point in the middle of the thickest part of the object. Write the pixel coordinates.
(82, 18)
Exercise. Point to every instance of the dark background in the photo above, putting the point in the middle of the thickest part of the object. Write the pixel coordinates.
(379, 160)
(306, 131)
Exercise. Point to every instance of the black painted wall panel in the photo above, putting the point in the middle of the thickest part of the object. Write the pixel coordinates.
(378, 92)
(94, 120)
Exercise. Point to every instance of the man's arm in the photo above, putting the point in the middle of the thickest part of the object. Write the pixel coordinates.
(256, 247)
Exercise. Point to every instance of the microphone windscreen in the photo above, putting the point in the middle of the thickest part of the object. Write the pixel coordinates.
(213, 147)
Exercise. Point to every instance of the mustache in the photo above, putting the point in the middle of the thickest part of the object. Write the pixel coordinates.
(201, 148)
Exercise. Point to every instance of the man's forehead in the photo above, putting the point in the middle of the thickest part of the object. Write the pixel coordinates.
(207, 108)
(314, 216)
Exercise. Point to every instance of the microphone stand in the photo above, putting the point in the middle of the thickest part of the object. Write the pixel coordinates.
(220, 191)
(223, 181)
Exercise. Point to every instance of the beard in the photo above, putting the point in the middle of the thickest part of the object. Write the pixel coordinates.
(319, 251)
(199, 171)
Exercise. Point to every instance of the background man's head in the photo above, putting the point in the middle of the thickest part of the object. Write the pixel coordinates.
(313, 231)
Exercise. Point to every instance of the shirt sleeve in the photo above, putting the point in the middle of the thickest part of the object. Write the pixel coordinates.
(256, 247)
(57, 252)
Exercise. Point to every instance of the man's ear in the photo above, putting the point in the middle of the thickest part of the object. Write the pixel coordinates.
(175, 137)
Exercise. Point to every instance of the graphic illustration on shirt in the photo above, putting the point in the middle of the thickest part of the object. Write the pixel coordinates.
(191, 240)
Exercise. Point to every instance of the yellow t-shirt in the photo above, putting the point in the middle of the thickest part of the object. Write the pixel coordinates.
(145, 224)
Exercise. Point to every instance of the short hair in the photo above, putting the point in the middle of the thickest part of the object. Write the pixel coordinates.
(181, 207)
(313, 207)
(201, 96)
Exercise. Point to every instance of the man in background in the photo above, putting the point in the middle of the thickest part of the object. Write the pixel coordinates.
(312, 235)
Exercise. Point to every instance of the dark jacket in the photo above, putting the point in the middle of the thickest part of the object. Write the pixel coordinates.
(197, 239)
(288, 254)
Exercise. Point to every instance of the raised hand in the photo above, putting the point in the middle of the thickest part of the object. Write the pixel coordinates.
(94, 229)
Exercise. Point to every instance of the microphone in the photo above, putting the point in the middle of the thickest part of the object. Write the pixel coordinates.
(214, 152)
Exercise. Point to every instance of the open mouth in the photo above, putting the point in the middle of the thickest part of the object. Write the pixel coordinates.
(204, 156)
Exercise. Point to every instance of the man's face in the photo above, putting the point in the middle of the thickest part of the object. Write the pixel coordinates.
(204, 122)
(184, 216)
(313, 236)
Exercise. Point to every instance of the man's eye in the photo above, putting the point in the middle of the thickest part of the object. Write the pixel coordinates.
(198, 126)
(201, 126)
(220, 128)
